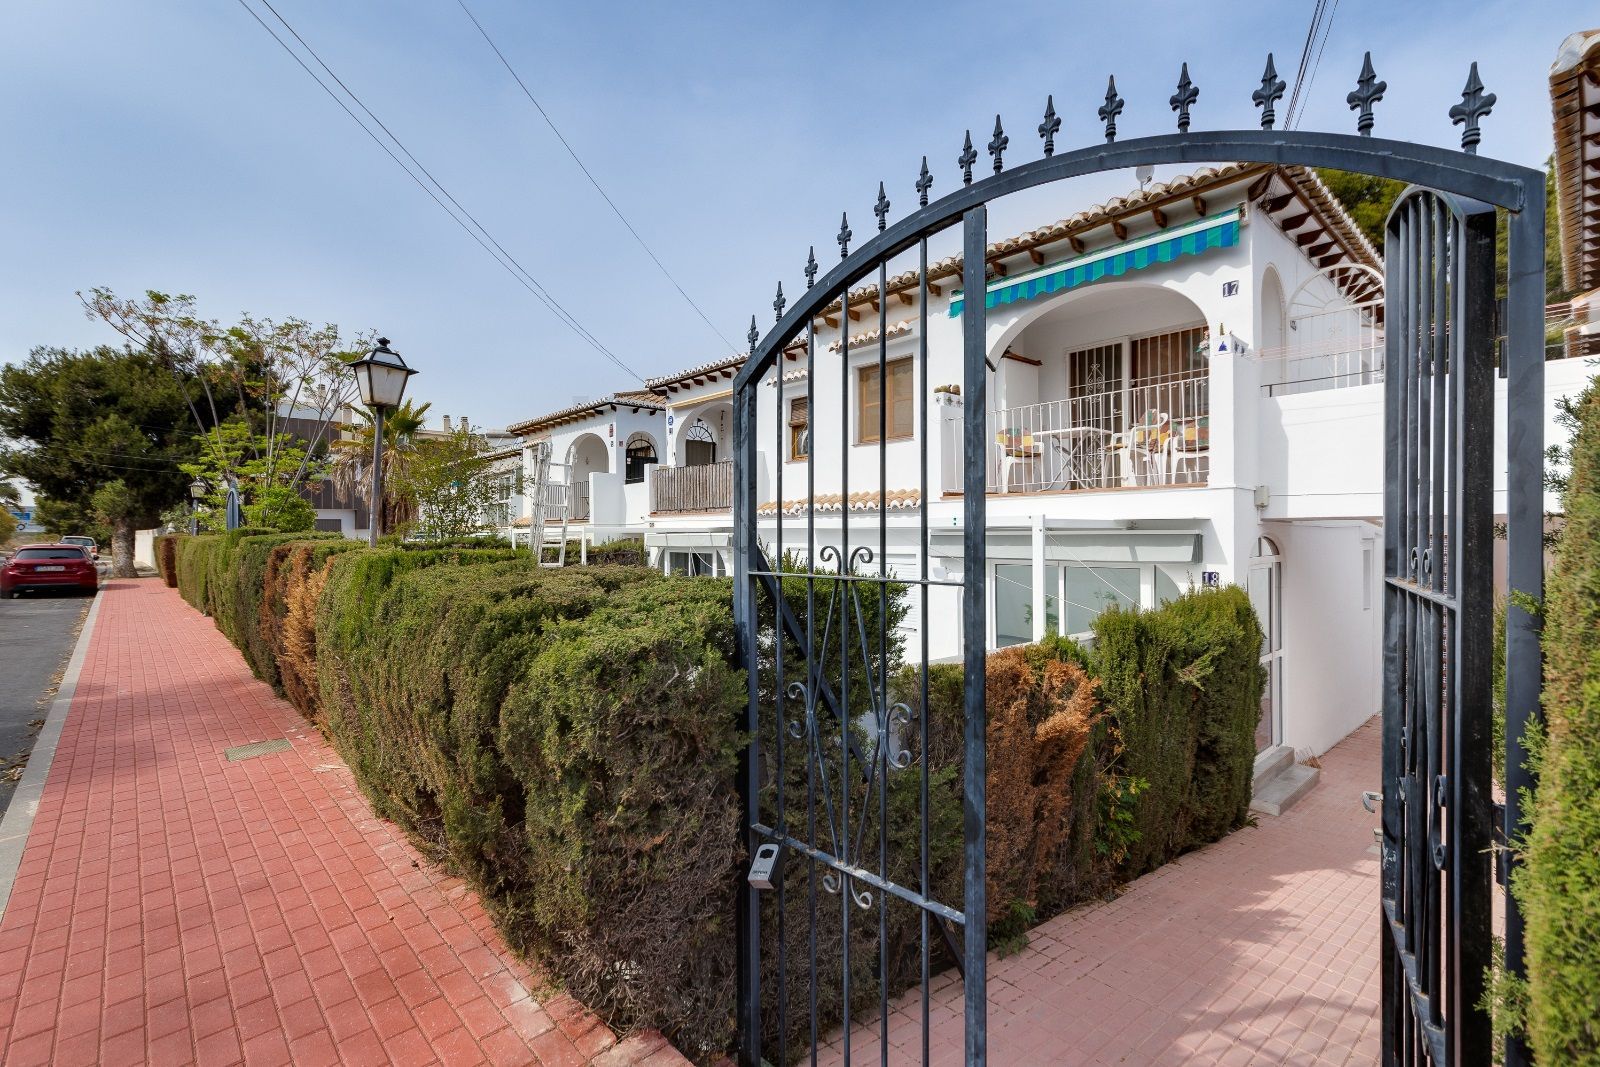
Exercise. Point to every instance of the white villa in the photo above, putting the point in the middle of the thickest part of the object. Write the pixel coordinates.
(1185, 390)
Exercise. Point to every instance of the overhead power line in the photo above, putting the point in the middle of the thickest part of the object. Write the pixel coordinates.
(473, 228)
(587, 174)
(1316, 40)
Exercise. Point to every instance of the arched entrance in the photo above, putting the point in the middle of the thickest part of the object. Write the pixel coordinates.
(639, 452)
(1439, 350)
(587, 455)
(1265, 586)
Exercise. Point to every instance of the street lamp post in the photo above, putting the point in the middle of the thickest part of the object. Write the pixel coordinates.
(381, 377)
(197, 493)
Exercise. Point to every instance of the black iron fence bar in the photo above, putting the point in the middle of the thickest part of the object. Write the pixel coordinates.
(811, 656)
(748, 918)
(1470, 807)
(779, 691)
(860, 874)
(1433, 1035)
(883, 648)
(974, 513)
(1524, 327)
(846, 897)
(1410, 588)
(926, 720)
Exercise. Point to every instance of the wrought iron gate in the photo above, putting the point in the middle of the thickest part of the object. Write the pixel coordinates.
(857, 894)
(1438, 627)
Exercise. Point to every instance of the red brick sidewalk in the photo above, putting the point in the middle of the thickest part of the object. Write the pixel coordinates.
(1259, 949)
(173, 907)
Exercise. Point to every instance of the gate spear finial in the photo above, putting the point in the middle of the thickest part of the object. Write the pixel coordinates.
(844, 235)
(1184, 99)
(1111, 109)
(1050, 126)
(881, 208)
(924, 183)
(778, 304)
(997, 145)
(1271, 90)
(811, 267)
(1369, 90)
(966, 159)
(753, 336)
(1475, 104)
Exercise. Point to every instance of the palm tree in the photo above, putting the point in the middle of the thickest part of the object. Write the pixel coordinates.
(350, 465)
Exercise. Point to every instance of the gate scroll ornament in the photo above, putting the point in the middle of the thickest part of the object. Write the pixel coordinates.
(832, 733)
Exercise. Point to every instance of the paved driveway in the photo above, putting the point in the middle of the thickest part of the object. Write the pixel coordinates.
(36, 638)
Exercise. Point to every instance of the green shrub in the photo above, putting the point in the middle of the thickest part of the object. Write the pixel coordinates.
(1559, 886)
(194, 564)
(296, 574)
(1182, 685)
(166, 552)
(566, 740)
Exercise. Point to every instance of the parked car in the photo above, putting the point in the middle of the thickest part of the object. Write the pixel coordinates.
(84, 543)
(37, 567)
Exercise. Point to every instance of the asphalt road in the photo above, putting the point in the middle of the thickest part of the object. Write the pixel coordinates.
(37, 633)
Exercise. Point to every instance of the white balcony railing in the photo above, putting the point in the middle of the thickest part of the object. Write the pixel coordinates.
(1331, 349)
(1154, 432)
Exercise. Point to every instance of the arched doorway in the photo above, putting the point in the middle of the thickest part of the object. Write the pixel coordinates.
(698, 445)
(1265, 585)
(588, 455)
(640, 451)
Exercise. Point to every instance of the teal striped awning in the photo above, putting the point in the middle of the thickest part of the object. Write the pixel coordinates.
(1191, 239)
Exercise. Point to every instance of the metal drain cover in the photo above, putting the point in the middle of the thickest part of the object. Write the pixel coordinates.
(257, 748)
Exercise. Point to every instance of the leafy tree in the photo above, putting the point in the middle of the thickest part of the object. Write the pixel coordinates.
(350, 463)
(62, 517)
(280, 508)
(258, 463)
(450, 485)
(1367, 199)
(259, 371)
(82, 420)
(8, 526)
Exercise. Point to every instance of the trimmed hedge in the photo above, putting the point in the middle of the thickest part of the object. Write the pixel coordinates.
(566, 739)
(1559, 885)
(166, 550)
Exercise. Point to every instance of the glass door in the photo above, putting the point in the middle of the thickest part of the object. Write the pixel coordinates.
(1266, 597)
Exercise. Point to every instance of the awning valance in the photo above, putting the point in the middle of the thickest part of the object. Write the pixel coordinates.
(1190, 239)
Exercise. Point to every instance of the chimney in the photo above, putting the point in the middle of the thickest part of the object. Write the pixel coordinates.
(447, 424)
(464, 424)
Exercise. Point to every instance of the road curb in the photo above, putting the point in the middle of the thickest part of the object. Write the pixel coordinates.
(18, 821)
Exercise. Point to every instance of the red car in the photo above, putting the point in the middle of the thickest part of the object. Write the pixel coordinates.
(34, 567)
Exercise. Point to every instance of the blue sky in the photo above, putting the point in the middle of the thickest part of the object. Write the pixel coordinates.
(172, 144)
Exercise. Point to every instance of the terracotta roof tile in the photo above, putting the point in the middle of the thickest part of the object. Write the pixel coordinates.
(864, 500)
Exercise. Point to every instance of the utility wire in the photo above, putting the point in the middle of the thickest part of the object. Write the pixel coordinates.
(509, 263)
(1309, 65)
(586, 173)
(571, 321)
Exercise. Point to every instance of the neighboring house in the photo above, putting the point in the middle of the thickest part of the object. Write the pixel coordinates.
(1185, 390)
(345, 510)
(590, 464)
(1575, 104)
